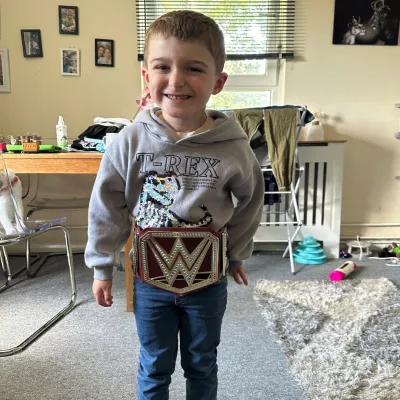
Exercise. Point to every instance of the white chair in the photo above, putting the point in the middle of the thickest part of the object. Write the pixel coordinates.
(24, 230)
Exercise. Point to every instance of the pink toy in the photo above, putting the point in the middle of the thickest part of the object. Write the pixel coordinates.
(345, 269)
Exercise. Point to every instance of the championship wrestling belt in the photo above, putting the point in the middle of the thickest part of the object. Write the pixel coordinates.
(179, 260)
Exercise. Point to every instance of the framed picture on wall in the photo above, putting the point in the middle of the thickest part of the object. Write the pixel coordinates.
(68, 20)
(4, 71)
(361, 22)
(32, 43)
(70, 63)
(104, 52)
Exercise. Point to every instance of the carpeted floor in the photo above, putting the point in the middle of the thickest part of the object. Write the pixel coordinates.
(342, 339)
(92, 353)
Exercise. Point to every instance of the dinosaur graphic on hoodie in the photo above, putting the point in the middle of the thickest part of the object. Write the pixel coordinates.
(158, 193)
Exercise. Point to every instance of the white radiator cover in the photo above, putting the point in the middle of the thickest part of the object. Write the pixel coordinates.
(319, 199)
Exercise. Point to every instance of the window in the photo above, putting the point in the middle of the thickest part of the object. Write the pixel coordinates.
(258, 34)
(251, 83)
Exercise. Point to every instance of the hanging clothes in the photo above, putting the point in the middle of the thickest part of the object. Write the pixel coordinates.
(271, 186)
(280, 134)
(277, 126)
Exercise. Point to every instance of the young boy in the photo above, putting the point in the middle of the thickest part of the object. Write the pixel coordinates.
(68, 23)
(71, 65)
(178, 165)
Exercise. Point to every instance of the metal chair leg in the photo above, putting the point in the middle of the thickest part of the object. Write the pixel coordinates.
(2, 263)
(60, 314)
(28, 254)
(29, 261)
(5, 266)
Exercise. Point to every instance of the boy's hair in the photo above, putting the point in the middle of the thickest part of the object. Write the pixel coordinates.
(190, 25)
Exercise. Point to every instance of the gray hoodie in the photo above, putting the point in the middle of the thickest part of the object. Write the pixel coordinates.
(163, 180)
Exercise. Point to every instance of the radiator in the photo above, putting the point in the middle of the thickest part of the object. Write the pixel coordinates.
(319, 199)
(310, 198)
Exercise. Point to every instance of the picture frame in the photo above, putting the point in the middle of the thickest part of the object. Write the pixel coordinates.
(70, 62)
(366, 23)
(4, 71)
(68, 20)
(104, 55)
(32, 43)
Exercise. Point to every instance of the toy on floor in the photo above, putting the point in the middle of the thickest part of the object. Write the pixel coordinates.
(309, 251)
(344, 254)
(395, 249)
(343, 271)
(394, 262)
(392, 250)
(362, 245)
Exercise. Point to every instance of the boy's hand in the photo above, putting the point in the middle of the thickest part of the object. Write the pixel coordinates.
(102, 292)
(237, 273)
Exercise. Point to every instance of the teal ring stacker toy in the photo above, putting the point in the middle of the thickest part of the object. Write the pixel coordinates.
(309, 251)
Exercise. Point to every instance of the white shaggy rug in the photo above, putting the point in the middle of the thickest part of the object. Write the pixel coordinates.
(342, 339)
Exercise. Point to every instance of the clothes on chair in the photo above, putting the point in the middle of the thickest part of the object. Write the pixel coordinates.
(272, 133)
(280, 134)
(278, 127)
(250, 120)
(308, 115)
(258, 143)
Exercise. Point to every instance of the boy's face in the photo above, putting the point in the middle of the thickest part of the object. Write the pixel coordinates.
(73, 62)
(181, 77)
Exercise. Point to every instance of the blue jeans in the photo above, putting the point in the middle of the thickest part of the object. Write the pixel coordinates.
(197, 318)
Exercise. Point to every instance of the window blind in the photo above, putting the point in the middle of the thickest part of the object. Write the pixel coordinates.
(252, 29)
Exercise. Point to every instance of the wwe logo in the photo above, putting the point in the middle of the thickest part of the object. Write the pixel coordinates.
(179, 260)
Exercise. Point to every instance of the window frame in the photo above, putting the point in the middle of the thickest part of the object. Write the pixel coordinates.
(268, 82)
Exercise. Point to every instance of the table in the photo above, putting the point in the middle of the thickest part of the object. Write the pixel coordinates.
(68, 163)
(54, 163)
